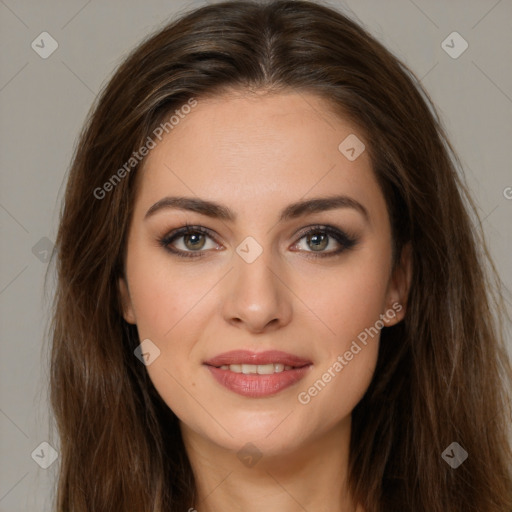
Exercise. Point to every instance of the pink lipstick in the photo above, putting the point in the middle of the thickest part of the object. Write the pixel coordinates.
(257, 374)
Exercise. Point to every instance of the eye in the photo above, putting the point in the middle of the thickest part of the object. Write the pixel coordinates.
(319, 238)
(191, 239)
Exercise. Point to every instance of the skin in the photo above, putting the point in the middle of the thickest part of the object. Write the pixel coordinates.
(256, 154)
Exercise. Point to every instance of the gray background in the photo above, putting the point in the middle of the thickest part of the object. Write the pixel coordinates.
(44, 103)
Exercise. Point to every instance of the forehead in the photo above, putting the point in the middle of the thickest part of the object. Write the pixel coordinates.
(252, 149)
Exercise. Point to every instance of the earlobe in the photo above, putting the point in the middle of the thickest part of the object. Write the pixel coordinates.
(126, 303)
(399, 288)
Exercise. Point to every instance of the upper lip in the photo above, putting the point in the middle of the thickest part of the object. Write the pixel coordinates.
(257, 358)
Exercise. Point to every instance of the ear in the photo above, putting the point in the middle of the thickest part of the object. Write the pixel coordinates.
(398, 289)
(126, 302)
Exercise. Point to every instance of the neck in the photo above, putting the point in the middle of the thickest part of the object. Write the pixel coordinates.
(306, 477)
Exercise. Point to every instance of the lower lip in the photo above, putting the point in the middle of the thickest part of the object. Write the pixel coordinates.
(257, 386)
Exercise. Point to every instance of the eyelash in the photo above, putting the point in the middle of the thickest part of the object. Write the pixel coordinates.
(346, 241)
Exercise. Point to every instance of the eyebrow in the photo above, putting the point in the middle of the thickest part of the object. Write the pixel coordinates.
(292, 211)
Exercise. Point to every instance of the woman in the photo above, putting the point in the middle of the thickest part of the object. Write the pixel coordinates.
(270, 291)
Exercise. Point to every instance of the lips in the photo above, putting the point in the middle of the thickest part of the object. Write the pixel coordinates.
(257, 358)
(236, 371)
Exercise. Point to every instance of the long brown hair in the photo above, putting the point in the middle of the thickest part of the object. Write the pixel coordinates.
(443, 374)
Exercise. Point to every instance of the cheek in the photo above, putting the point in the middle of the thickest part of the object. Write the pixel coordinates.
(171, 310)
(164, 293)
(348, 357)
(171, 314)
(350, 303)
(351, 297)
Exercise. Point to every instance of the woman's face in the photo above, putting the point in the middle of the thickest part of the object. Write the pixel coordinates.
(307, 309)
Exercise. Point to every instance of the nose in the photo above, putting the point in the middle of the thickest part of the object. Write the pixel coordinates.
(256, 296)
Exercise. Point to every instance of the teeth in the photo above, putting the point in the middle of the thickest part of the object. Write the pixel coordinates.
(264, 369)
(259, 369)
